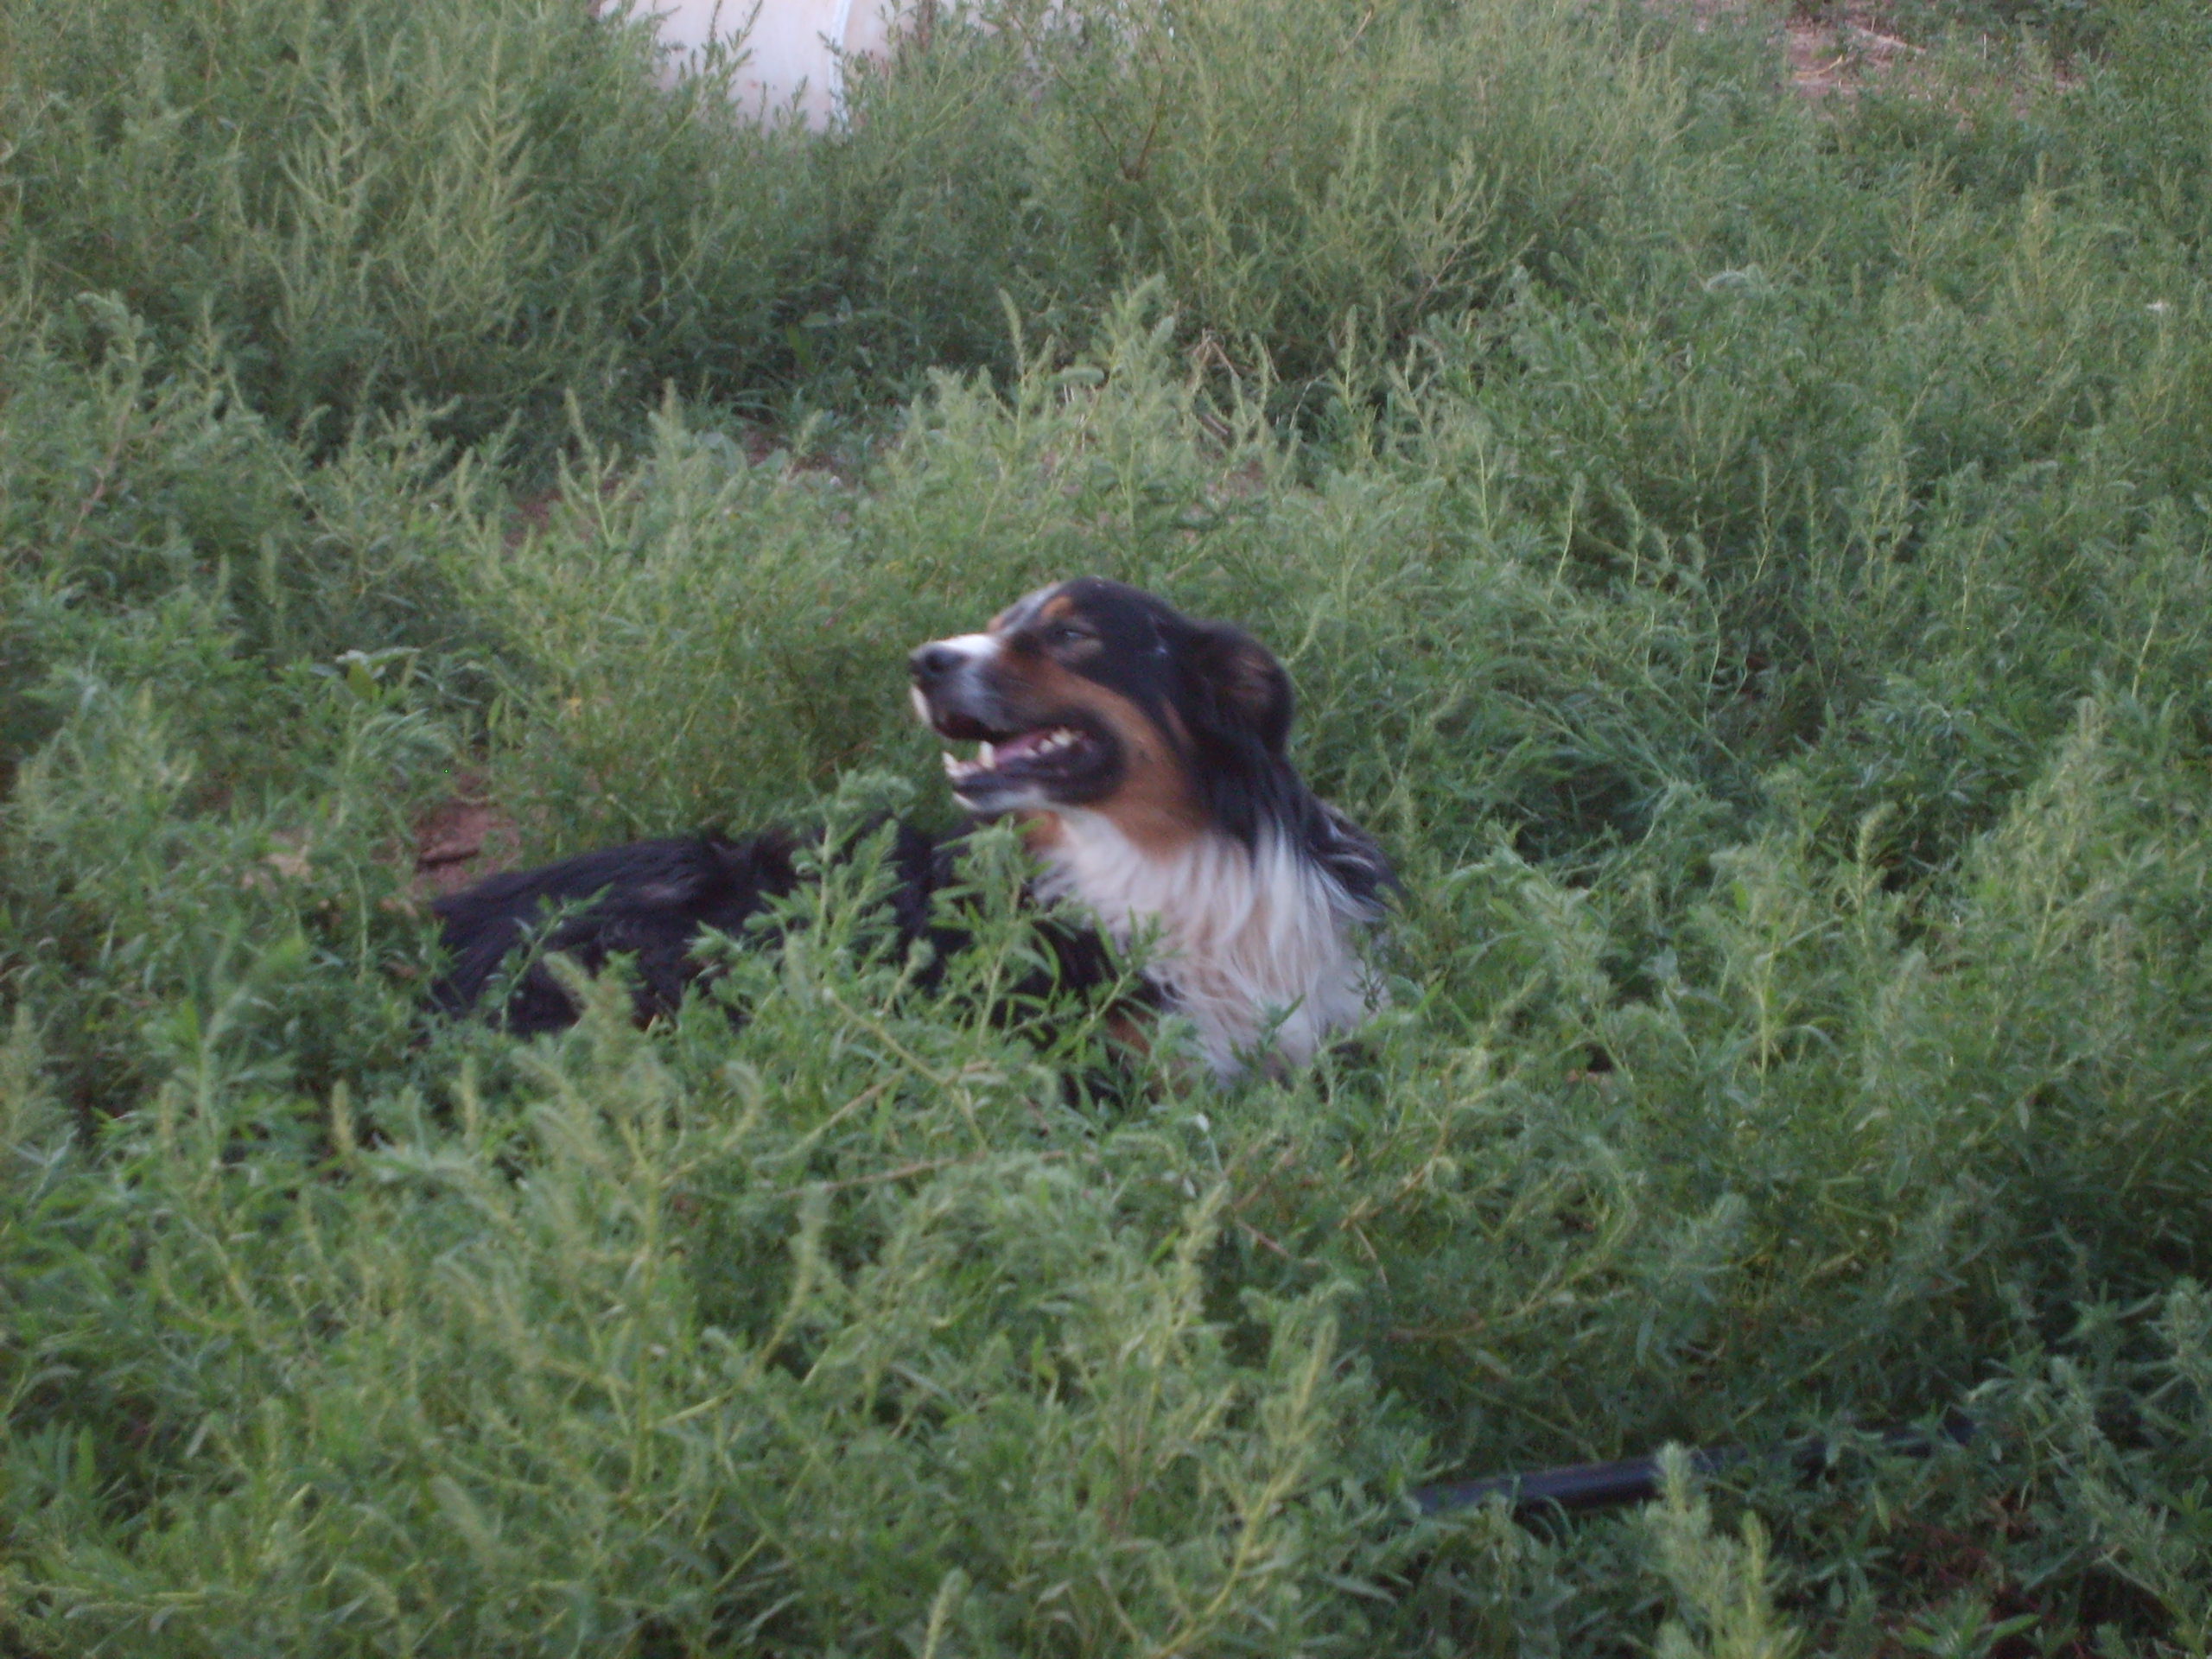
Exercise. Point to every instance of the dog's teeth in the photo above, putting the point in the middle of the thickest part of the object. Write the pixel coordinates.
(955, 767)
(985, 756)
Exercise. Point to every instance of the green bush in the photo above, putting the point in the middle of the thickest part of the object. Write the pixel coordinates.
(1399, 162)
(1747, 562)
(479, 208)
(484, 209)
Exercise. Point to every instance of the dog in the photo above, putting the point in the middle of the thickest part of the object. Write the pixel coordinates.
(1144, 755)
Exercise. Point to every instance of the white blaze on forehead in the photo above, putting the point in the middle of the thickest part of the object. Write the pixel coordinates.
(1023, 609)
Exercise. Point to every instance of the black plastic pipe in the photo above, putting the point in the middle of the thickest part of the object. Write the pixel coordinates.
(1581, 1487)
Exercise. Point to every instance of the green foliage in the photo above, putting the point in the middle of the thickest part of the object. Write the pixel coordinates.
(479, 208)
(2062, 26)
(470, 1360)
(483, 209)
(1721, 1582)
(1399, 160)
(1748, 563)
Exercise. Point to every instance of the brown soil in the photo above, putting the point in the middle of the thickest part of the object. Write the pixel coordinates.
(460, 841)
(1832, 51)
(1827, 58)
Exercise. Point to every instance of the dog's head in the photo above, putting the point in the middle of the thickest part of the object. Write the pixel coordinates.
(1088, 694)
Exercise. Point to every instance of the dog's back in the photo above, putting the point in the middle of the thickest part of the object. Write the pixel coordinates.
(650, 901)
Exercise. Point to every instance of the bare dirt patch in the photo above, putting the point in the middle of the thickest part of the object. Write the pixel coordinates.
(460, 841)
(1827, 58)
(1838, 51)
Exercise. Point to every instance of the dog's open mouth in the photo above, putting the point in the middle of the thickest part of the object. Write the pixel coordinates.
(1038, 755)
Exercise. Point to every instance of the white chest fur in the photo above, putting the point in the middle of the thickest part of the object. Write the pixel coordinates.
(1247, 943)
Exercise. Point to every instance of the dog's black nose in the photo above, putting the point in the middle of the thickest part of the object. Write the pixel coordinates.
(932, 663)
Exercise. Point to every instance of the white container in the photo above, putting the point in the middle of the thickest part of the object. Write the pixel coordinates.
(794, 50)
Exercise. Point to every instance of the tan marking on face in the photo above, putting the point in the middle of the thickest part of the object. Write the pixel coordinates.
(1155, 805)
(1042, 832)
(1059, 608)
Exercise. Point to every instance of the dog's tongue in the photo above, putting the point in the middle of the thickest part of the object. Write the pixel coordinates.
(1015, 748)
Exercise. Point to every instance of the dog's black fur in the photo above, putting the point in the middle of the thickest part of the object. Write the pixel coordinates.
(650, 902)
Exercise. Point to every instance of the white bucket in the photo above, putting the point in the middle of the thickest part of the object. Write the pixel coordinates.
(793, 50)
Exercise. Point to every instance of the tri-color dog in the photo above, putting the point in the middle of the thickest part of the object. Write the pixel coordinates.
(1145, 755)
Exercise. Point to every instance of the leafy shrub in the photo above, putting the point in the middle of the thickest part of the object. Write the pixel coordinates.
(480, 208)
(1399, 162)
(1757, 591)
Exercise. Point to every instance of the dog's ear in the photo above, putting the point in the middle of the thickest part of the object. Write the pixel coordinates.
(1243, 686)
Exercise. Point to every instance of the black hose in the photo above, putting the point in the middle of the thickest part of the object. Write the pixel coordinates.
(1581, 1487)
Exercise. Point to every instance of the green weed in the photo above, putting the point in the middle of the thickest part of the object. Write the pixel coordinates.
(1747, 562)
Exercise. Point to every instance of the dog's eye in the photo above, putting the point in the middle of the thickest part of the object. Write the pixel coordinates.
(1065, 633)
